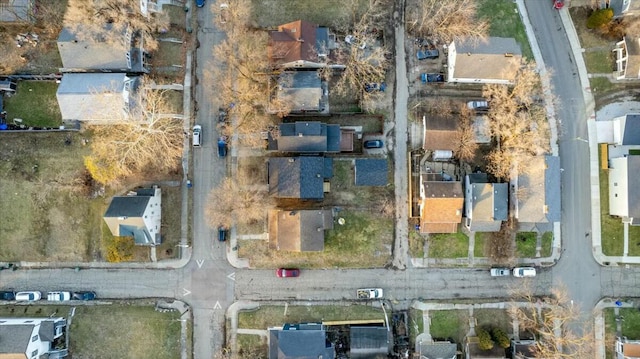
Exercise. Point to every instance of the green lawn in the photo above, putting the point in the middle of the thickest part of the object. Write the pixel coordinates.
(449, 245)
(416, 324)
(252, 346)
(599, 62)
(634, 241)
(416, 244)
(505, 22)
(268, 316)
(271, 13)
(526, 244)
(449, 324)
(35, 103)
(478, 248)
(547, 244)
(630, 325)
(612, 229)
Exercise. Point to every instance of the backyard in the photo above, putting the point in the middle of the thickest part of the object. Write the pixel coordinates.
(505, 22)
(271, 13)
(35, 104)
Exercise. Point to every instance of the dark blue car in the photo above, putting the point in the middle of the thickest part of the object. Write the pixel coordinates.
(222, 146)
(199, 3)
(84, 295)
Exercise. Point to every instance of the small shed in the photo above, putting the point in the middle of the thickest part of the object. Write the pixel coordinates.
(371, 172)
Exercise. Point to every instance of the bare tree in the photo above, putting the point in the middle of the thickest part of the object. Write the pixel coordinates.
(447, 20)
(238, 201)
(90, 19)
(466, 145)
(518, 123)
(559, 329)
(501, 244)
(146, 139)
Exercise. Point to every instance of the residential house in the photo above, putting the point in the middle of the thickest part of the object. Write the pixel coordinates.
(298, 177)
(17, 11)
(620, 131)
(440, 133)
(302, 91)
(299, 230)
(137, 215)
(105, 52)
(150, 6)
(96, 98)
(300, 44)
(624, 188)
(627, 349)
(369, 342)
(472, 351)
(371, 172)
(494, 61)
(32, 338)
(486, 204)
(627, 54)
(622, 7)
(537, 194)
(441, 204)
(437, 350)
(306, 137)
(300, 341)
(523, 349)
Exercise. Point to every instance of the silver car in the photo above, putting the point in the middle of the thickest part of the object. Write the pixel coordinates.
(28, 296)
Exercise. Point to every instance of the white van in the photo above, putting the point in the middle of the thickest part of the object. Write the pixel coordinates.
(197, 135)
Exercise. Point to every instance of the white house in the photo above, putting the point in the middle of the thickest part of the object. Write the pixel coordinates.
(494, 61)
(627, 54)
(138, 215)
(31, 338)
(627, 349)
(624, 188)
(96, 97)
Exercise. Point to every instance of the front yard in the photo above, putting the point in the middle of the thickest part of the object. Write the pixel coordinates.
(505, 21)
(448, 245)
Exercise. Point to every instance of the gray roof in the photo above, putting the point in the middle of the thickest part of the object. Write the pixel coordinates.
(127, 206)
(488, 202)
(620, 7)
(296, 177)
(299, 344)
(630, 128)
(93, 96)
(47, 330)
(308, 137)
(438, 350)
(552, 188)
(371, 172)
(369, 342)
(15, 338)
(633, 196)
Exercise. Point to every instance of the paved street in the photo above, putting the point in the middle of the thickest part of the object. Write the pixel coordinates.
(210, 285)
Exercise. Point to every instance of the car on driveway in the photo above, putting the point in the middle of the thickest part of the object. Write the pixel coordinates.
(28, 296)
(524, 272)
(375, 86)
(287, 272)
(500, 272)
(427, 54)
(373, 144)
(478, 105)
(430, 78)
(7, 295)
(58, 296)
(84, 295)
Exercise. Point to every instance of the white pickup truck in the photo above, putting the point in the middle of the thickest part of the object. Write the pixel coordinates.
(369, 293)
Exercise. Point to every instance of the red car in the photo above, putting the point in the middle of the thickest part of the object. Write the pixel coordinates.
(287, 272)
(558, 4)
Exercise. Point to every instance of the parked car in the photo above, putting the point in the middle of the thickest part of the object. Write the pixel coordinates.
(427, 54)
(222, 146)
(222, 233)
(7, 295)
(500, 272)
(431, 78)
(369, 293)
(524, 272)
(478, 105)
(558, 4)
(58, 296)
(287, 272)
(224, 13)
(199, 3)
(374, 86)
(28, 296)
(373, 144)
(197, 135)
(84, 295)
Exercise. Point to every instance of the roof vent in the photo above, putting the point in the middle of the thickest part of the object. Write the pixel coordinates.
(291, 160)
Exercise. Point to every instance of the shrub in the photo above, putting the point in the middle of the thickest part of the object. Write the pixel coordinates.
(599, 18)
(484, 339)
(120, 249)
(501, 338)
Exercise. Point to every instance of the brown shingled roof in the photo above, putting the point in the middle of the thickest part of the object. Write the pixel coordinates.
(293, 42)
